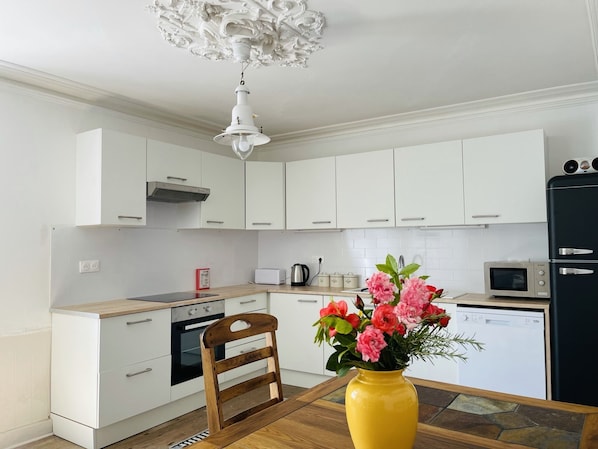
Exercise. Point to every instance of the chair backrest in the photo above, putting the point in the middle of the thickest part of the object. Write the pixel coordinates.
(225, 331)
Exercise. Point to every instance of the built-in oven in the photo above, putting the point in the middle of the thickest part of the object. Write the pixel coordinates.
(188, 323)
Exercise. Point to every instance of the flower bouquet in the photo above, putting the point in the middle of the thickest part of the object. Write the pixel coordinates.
(401, 325)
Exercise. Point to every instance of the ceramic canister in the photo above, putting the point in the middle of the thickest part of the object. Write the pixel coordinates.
(336, 280)
(323, 280)
(350, 280)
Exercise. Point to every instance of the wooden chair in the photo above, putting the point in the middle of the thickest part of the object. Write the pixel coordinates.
(221, 332)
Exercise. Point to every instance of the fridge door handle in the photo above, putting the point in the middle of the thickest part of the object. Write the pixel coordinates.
(574, 251)
(567, 271)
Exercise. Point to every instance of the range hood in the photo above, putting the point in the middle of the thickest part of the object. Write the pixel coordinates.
(175, 193)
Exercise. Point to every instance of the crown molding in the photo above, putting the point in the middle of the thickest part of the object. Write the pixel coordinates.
(63, 89)
(562, 96)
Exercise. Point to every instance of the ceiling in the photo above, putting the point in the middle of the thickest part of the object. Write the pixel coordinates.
(379, 59)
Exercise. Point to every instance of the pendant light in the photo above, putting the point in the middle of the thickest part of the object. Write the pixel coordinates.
(242, 134)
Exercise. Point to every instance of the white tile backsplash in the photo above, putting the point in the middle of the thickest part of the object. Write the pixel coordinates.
(453, 258)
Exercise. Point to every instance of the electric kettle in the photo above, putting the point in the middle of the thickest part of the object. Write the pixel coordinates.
(299, 274)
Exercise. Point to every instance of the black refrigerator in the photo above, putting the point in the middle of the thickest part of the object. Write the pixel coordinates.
(573, 251)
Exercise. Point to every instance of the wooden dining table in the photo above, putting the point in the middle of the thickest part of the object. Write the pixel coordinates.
(450, 417)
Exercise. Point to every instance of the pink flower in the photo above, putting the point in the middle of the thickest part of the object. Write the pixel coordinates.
(408, 315)
(415, 293)
(382, 289)
(370, 343)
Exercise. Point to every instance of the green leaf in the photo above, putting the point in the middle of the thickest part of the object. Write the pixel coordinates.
(343, 326)
(408, 270)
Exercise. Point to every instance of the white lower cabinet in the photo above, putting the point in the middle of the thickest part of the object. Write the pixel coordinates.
(296, 314)
(105, 371)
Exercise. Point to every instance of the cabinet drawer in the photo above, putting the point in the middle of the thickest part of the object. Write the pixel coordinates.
(129, 339)
(244, 304)
(133, 389)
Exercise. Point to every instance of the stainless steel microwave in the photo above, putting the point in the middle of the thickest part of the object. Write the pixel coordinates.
(517, 279)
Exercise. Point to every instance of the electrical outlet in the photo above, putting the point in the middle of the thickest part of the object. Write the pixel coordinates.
(89, 266)
(316, 259)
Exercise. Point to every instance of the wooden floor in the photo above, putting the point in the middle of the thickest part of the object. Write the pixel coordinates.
(159, 437)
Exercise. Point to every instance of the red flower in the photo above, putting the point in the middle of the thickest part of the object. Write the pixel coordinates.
(340, 310)
(435, 315)
(385, 318)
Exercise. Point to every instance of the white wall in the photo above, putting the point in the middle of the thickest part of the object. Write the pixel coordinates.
(453, 258)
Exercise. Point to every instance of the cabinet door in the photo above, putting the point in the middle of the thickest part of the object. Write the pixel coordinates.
(295, 336)
(311, 194)
(429, 184)
(264, 195)
(173, 163)
(111, 187)
(439, 369)
(365, 190)
(225, 207)
(505, 178)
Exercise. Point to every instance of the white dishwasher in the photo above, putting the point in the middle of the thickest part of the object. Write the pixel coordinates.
(513, 360)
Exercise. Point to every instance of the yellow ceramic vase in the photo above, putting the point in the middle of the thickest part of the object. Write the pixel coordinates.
(382, 410)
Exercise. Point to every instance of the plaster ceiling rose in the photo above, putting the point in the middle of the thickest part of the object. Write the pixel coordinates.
(282, 32)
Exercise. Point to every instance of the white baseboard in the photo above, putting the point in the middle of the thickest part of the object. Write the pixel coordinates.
(26, 434)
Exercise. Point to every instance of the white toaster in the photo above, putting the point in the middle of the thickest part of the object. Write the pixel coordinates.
(273, 276)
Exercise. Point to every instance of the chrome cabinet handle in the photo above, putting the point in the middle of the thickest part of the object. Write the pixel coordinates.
(377, 220)
(261, 223)
(147, 370)
(214, 221)
(147, 320)
(177, 178)
(248, 302)
(308, 300)
(132, 217)
(568, 271)
(486, 216)
(321, 222)
(574, 251)
(413, 219)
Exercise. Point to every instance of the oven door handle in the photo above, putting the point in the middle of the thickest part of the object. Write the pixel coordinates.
(189, 327)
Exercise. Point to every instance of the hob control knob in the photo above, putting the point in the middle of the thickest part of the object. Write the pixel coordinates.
(207, 309)
(192, 311)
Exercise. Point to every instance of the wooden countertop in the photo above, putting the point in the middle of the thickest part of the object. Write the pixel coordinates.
(116, 307)
(450, 417)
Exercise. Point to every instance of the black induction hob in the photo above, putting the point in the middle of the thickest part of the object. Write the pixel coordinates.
(174, 297)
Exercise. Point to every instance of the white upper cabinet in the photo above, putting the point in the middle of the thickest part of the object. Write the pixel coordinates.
(365, 190)
(429, 184)
(505, 178)
(111, 170)
(225, 206)
(264, 195)
(311, 194)
(173, 164)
